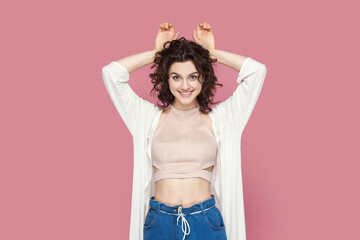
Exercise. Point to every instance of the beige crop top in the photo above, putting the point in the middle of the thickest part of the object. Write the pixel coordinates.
(183, 146)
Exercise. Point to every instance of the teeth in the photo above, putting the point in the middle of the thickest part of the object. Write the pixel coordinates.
(186, 93)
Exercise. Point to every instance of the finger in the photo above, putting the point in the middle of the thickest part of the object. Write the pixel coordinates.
(196, 36)
(171, 27)
(177, 35)
(173, 36)
(203, 25)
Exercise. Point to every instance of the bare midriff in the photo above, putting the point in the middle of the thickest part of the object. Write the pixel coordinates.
(182, 191)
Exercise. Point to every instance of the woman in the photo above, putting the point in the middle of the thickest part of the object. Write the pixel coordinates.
(189, 152)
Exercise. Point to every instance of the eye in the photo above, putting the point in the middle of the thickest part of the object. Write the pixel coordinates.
(175, 77)
(194, 77)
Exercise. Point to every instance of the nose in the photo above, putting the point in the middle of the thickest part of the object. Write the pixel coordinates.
(185, 85)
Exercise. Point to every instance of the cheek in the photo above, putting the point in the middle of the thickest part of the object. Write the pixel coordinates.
(172, 86)
(199, 87)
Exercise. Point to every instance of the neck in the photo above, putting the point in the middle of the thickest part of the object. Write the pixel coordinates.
(186, 107)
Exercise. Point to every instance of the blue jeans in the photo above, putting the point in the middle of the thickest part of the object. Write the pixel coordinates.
(165, 222)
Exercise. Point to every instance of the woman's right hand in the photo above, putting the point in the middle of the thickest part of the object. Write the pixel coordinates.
(166, 33)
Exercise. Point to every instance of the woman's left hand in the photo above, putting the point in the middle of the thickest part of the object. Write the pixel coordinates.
(204, 36)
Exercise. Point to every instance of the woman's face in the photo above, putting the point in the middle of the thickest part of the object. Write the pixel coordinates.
(183, 78)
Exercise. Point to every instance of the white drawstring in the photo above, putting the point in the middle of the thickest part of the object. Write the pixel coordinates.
(183, 220)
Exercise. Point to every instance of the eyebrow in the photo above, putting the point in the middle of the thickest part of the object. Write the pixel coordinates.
(180, 74)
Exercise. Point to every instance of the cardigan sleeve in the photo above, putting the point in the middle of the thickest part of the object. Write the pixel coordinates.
(237, 108)
(131, 108)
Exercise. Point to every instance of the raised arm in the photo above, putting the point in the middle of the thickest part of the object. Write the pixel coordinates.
(236, 110)
(132, 108)
(128, 104)
(133, 62)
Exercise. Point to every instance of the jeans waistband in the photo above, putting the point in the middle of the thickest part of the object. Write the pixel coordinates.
(200, 207)
(196, 208)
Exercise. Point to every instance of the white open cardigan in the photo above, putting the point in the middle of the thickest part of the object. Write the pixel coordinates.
(228, 121)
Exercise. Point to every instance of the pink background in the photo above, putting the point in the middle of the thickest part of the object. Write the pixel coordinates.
(66, 155)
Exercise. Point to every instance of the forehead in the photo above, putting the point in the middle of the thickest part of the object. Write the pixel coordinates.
(183, 68)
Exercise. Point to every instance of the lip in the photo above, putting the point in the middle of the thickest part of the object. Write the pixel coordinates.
(186, 95)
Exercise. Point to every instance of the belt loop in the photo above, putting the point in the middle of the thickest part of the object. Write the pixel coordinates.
(202, 208)
(157, 207)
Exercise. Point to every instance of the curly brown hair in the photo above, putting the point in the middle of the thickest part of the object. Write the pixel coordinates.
(181, 50)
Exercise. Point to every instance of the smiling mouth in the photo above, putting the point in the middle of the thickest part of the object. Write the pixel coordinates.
(185, 94)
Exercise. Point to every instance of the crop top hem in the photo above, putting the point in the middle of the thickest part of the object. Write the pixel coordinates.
(196, 173)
